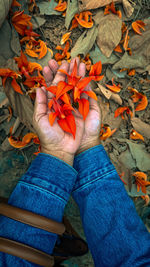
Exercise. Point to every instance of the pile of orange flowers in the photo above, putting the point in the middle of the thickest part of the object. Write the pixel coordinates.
(68, 95)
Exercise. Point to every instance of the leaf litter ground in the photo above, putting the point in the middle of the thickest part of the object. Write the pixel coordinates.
(128, 155)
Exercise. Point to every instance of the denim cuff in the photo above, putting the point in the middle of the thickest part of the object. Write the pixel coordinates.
(52, 175)
(92, 164)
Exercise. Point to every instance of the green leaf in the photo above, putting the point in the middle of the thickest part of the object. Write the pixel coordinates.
(85, 42)
(47, 8)
(72, 9)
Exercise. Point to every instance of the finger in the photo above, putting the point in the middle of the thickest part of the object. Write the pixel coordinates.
(53, 66)
(40, 107)
(82, 69)
(59, 75)
(93, 104)
(72, 64)
(48, 75)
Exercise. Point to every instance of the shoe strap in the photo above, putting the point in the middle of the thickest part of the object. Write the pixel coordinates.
(32, 219)
(26, 252)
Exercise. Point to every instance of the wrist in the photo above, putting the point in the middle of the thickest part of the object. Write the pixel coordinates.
(64, 156)
(88, 144)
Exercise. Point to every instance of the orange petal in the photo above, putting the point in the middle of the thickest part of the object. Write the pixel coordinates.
(96, 69)
(84, 23)
(43, 49)
(16, 87)
(142, 104)
(90, 94)
(31, 53)
(68, 124)
(114, 88)
(50, 103)
(118, 49)
(52, 117)
(135, 135)
(62, 88)
(126, 41)
(83, 107)
(28, 137)
(34, 66)
(120, 111)
(52, 89)
(61, 6)
(131, 72)
(140, 175)
(137, 25)
(65, 37)
(16, 143)
(84, 82)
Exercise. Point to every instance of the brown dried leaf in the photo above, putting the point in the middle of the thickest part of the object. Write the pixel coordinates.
(141, 127)
(21, 105)
(109, 95)
(93, 4)
(109, 33)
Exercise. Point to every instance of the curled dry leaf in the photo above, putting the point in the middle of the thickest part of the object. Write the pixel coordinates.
(136, 136)
(108, 94)
(93, 4)
(109, 33)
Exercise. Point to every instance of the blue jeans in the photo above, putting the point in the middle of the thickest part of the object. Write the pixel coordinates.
(115, 234)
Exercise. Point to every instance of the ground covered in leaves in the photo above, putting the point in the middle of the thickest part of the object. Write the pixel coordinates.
(116, 34)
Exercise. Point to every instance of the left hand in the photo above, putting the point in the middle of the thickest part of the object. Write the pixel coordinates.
(54, 140)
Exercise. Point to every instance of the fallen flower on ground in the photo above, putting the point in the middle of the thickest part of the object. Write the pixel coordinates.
(26, 67)
(121, 110)
(141, 181)
(62, 6)
(137, 25)
(84, 19)
(136, 136)
(36, 49)
(15, 3)
(65, 53)
(111, 8)
(106, 132)
(143, 102)
(21, 22)
(8, 73)
(17, 143)
(114, 88)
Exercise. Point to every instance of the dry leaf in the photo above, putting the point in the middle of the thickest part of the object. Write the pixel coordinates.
(93, 4)
(72, 9)
(109, 95)
(141, 127)
(128, 8)
(109, 34)
(85, 42)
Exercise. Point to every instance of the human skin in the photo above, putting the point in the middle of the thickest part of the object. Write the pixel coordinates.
(54, 140)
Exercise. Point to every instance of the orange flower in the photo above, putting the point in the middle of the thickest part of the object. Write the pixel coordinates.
(65, 52)
(135, 135)
(111, 7)
(138, 96)
(114, 88)
(62, 6)
(35, 82)
(36, 48)
(15, 3)
(15, 142)
(118, 49)
(74, 24)
(65, 37)
(121, 110)
(106, 132)
(29, 36)
(6, 73)
(60, 91)
(26, 67)
(95, 71)
(66, 119)
(21, 22)
(141, 181)
(84, 19)
(137, 25)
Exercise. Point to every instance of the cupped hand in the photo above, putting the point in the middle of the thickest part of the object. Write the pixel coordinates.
(92, 124)
(54, 140)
